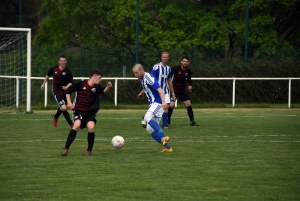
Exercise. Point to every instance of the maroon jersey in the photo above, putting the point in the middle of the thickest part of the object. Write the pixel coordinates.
(87, 97)
(60, 78)
(180, 76)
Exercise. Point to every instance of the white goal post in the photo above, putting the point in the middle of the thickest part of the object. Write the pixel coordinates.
(14, 55)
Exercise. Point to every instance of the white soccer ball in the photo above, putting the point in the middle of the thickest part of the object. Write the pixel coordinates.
(118, 142)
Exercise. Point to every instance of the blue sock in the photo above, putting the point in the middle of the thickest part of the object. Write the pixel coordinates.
(156, 137)
(164, 119)
(157, 128)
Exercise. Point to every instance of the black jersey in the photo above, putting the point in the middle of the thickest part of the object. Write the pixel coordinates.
(60, 78)
(87, 97)
(180, 76)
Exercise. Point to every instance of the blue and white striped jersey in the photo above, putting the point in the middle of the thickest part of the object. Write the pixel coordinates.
(162, 74)
(150, 86)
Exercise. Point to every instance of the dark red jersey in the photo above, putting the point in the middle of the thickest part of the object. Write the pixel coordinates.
(180, 77)
(60, 78)
(87, 97)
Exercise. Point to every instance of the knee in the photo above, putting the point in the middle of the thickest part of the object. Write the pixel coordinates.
(63, 108)
(91, 127)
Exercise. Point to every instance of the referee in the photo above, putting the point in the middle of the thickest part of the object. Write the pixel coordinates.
(181, 75)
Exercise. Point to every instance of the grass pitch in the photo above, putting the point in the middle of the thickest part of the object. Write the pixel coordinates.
(235, 154)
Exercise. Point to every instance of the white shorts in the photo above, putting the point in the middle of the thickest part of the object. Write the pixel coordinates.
(167, 98)
(156, 110)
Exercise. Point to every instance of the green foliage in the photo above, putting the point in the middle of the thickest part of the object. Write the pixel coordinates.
(163, 25)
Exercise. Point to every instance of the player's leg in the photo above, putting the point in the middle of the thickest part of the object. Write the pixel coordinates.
(91, 122)
(58, 112)
(72, 134)
(187, 102)
(65, 112)
(170, 109)
(165, 114)
(152, 117)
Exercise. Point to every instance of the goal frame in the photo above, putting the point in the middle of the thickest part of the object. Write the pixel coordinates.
(28, 75)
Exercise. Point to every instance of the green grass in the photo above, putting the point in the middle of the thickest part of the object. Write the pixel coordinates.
(235, 154)
(179, 106)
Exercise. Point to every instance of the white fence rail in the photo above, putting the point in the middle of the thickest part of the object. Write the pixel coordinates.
(116, 79)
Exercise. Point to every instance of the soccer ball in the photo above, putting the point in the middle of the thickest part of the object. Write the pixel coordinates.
(118, 142)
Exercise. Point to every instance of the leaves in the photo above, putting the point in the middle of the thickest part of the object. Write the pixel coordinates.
(176, 24)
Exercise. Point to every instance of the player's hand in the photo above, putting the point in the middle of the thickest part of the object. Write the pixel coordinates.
(42, 87)
(64, 87)
(190, 88)
(109, 84)
(173, 95)
(140, 96)
(164, 105)
(70, 106)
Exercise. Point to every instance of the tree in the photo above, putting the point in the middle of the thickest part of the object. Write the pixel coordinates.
(10, 14)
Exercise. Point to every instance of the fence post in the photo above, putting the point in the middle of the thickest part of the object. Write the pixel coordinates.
(289, 98)
(233, 92)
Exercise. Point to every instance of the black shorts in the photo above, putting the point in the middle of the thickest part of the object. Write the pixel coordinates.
(61, 99)
(182, 96)
(84, 117)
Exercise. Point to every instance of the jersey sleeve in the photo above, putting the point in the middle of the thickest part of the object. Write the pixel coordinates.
(101, 89)
(70, 77)
(50, 72)
(152, 82)
(170, 75)
(189, 77)
(74, 87)
(155, 71)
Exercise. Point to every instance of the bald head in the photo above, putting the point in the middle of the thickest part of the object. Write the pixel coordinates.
(138, 67)
(138, 71)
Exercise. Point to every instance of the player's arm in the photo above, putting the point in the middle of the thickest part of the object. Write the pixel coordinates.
(50, 73)
(189, 80)
(162, 96)
(70, 81)
(141, 96)
(44, 82)
(108, 86)
(69, 91)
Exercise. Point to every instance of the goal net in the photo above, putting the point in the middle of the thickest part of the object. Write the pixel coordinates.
(15, 69)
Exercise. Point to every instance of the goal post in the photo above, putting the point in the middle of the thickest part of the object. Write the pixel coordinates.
(15, 66)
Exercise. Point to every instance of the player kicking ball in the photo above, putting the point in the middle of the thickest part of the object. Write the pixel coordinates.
(157, 104)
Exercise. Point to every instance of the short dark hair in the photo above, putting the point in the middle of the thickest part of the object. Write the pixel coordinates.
(96, 71)
(185, 57)
(62, 56)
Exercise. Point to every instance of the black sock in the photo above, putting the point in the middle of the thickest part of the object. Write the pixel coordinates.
(190, 113)
(91, 140)
(67, 117)
(58, 113)
(71, 138)
(170, 111)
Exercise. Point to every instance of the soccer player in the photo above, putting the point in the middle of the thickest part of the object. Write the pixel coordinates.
(85, 107)
(181, 74)
(157, 104)
(162, 72)
(62, 79)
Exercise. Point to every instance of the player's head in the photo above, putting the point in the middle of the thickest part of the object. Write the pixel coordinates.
(96, 75)
(185, 61)
(138, 71)
(164, 57)
(62, 61)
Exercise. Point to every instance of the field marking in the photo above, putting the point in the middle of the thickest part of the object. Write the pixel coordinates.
(197, 117)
